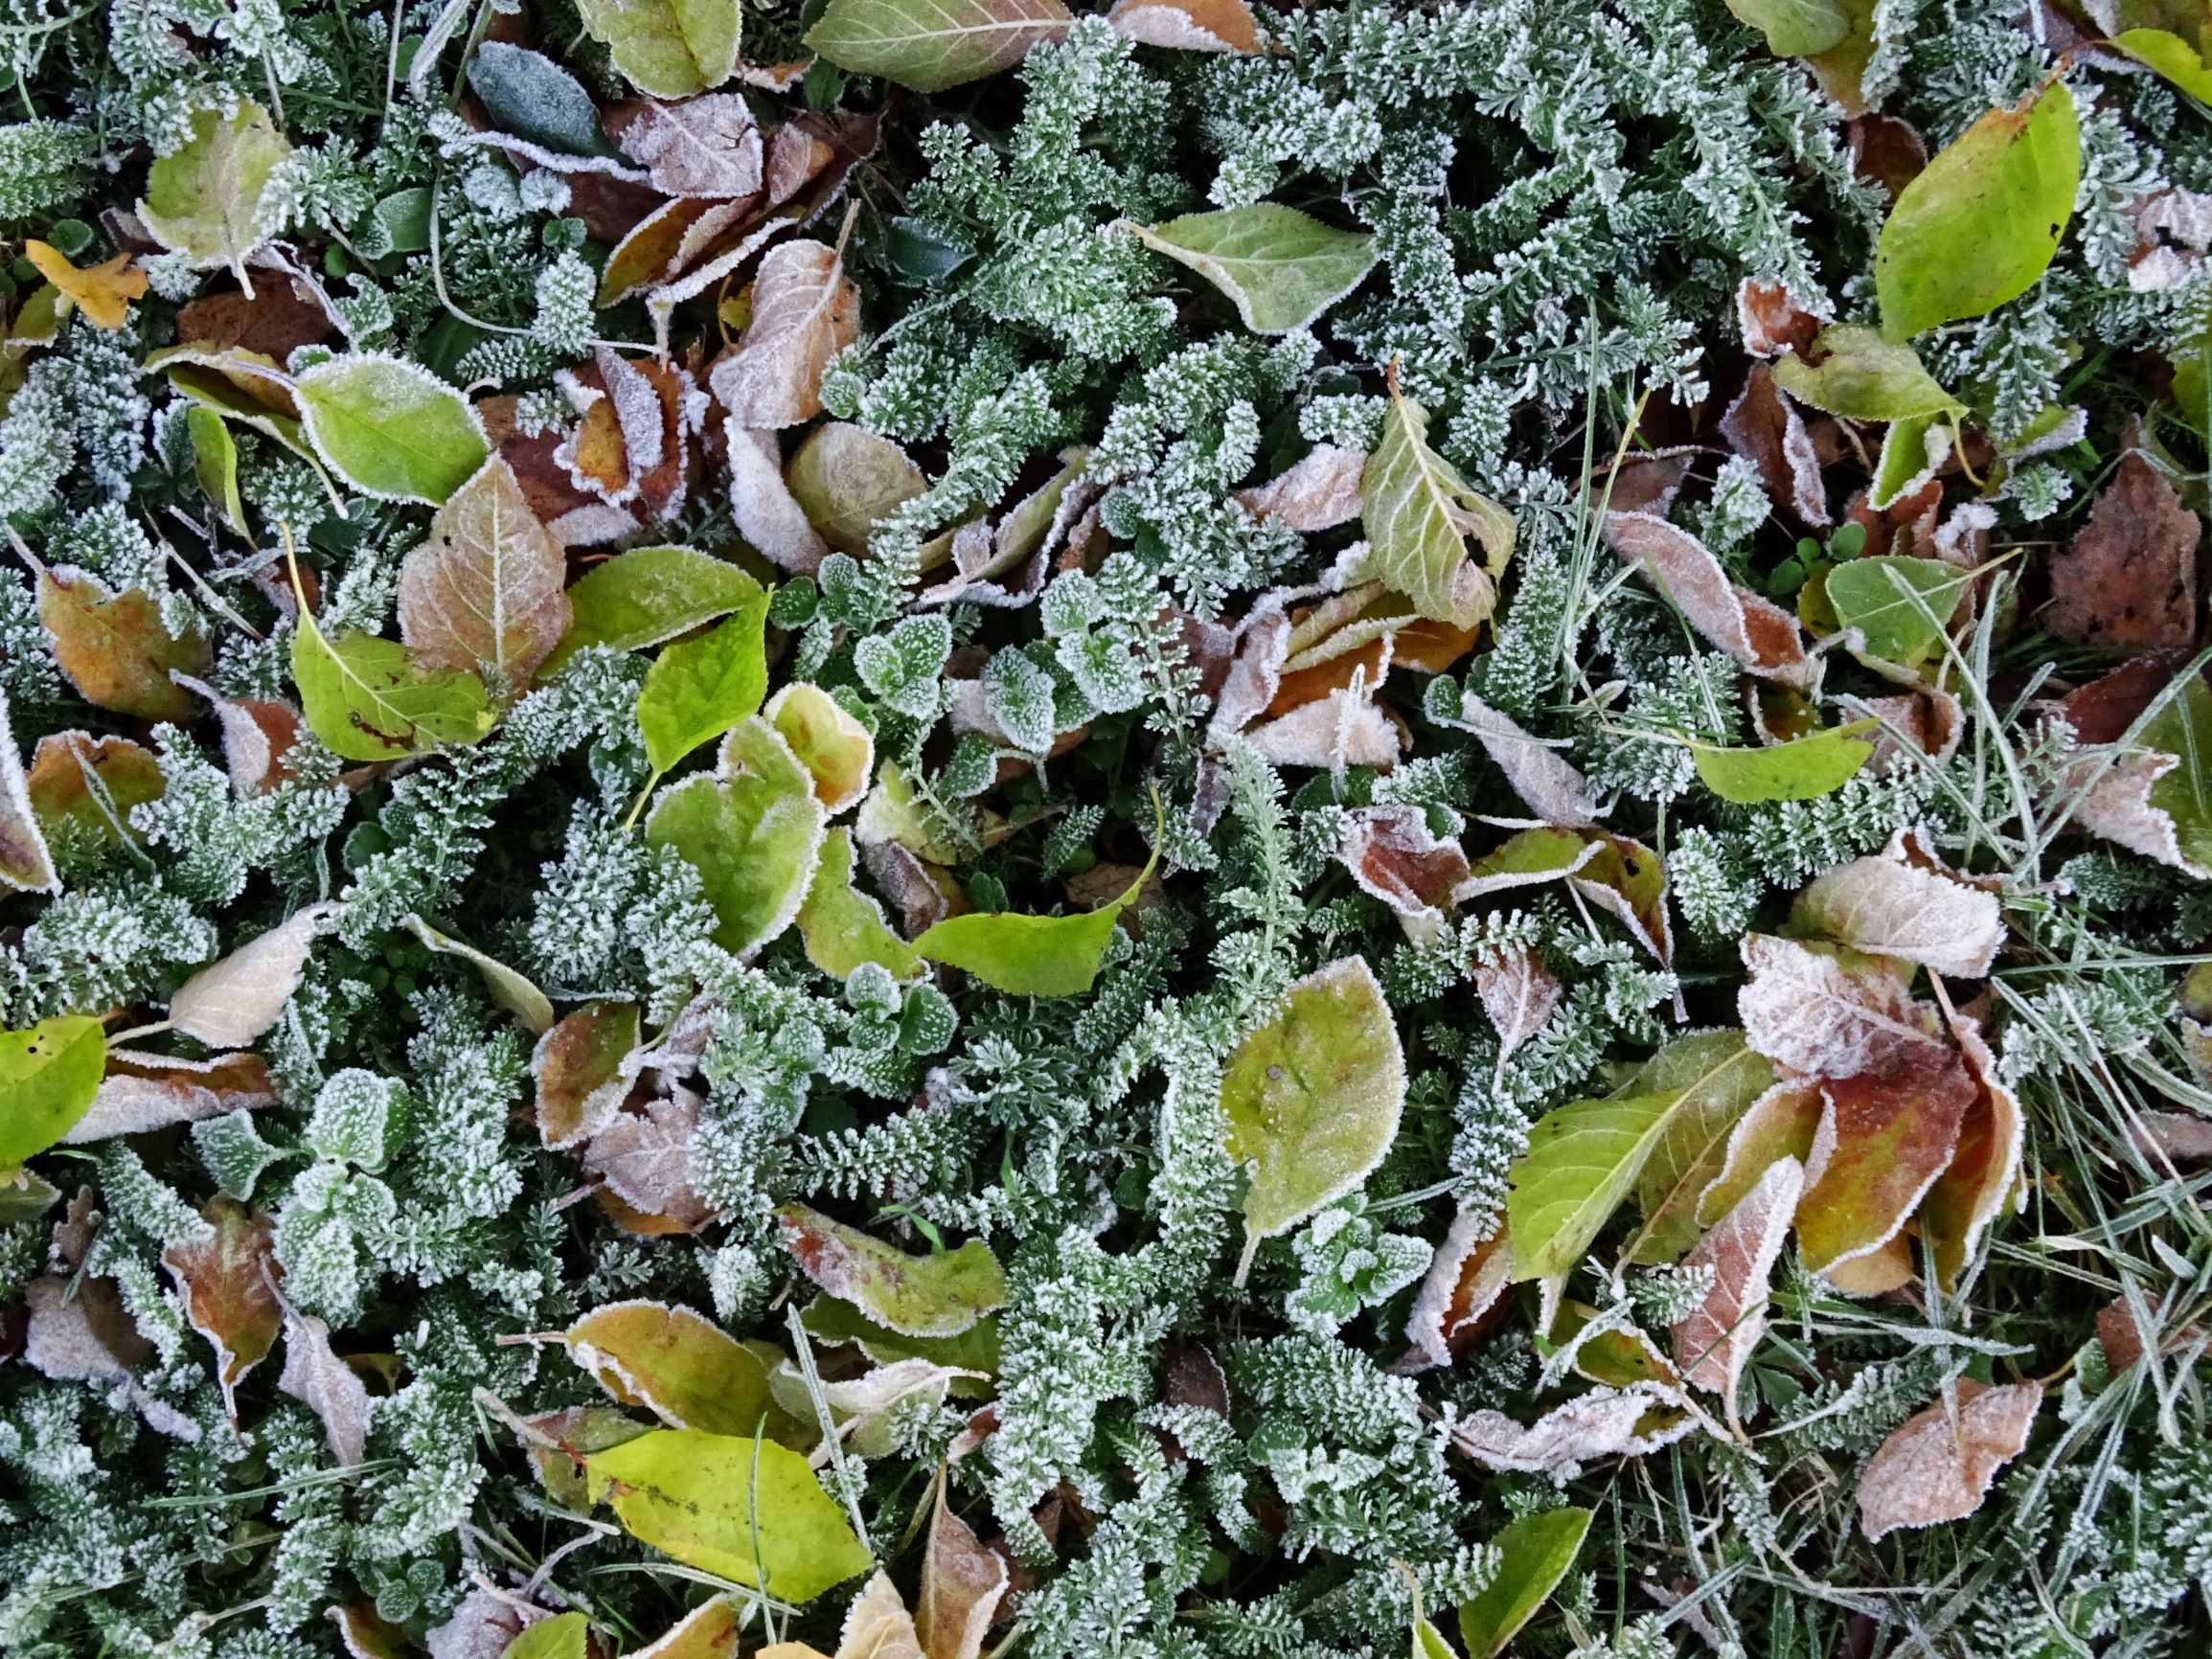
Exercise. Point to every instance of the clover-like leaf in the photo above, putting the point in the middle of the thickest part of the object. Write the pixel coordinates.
(667, 48)
(391, 428)
(1417, 513)
(1282, 268)
(933, 1296)
(696, 690)
(929, 45)
(203, 199)
(48, 1078)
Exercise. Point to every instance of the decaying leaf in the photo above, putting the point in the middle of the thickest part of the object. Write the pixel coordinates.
(1715, 1077)
(1543, 778)
(83, 788)
(1393, 855)
(684, 1370)
(114, 646)
(484, 592)
(1186, 26)
(230, 1004)
(577, 1066)
(151, 1091)
(1887, 1132)
(1759, 635)
(1828, 1011)
(805, 312)
(838, 750)
(1418, 514)
(1780, 1124)
(1468, 1274)
(762, 504)
(512, 990)
(1713, 1345)
(703, 147)
(961, 1586)
(1605, 1423)
(929, 45)
(1321, 491)
(935, 1295)
(26, 864)
(1939, 1465)
(1888, 906)
(1518, 993)
(2128, 581)
(644, 1158)
(326, 1385)
(229, 1281)
(1764, 428)
(1984, 1172)
(846, 480)
(103, 292)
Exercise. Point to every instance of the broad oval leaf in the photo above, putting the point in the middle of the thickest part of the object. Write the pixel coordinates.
(231, 1002)
(696, 690)
(1898, 606)
(669, 48)
(1794, 28)
(753, 830)
(931, 1296)
(1855, 373)
(1798, 770)
(1282, 268)
(484, 592)
(578, 1068)
(563, 1636)
(1980, 225)
(649, 595)
(372, 699)
(833, 1320)
(1939, 1464)
(1417, 513)
(204, 199)
(1313, 1098)
(48, 1078)
(929, 45)
(1031, 955)
(1581, 1162)
(805, 312)
(835, 748)
(529, 96)
(1534, 1555)
(2172, 57)
(115, 647)
(391, 428)
(846, 480)
(684, 1369)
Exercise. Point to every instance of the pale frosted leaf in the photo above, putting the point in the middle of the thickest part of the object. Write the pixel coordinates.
(1827, 1014)
(1605, 1423)
(511, 990)
(877, 1624)
(1321, 491)
(1466, 1276)
(1939, 1465)
(704, 147)
(1761, 636)
(326, 1385)
(1418, 514)
(643, 1155)
(230, 1004)
(1888, 907)
(805, 312)
(484, 592)
(1518, 993)
(1713, 1345)
(763, 507)
(961, 1586)
(1543, 778)
(1185, 26)
(1393, 855)
(150, 1091)
(25, 864)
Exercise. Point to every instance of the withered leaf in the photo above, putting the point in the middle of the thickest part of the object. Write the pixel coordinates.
(1887, 1134)
(230, 1004)
(1605, 1423)
(645, 1157)
(1543, 778)
(2128, 580)
(325, 1384)
(150, 1091)
(703, 147)
(230, 1292)
(1713, 1345)
(1939, 1465)
(1759, 635)
(1827, 1011)
(1188, 26)
(1469, 1272)
(114, 646)
(1518, 993)
(1764, 428)
(578, 1069)
(1890, 906)
(1320, 492)
(962, 1584)
(805, 312)
(484, 592)
(92, 783)
(1393, 855)
(25, 862)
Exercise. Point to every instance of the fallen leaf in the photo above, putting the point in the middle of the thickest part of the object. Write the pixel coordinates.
(1546, 779)
(1795, 27)
(1581, 1160)
(805, 312)
(1780, 1124)
(843, 927)
(929, 45)
(1393, 855)
(2128, 580)
(2181, 1137)
(961, 1586)
(1026, 955)
(1281, 268)
(1313, 1098)
(1417, 513)
(847, 480)
(562, 1636)
(1888, 907)
(274, 320)
(704, 147)
(1760, 635)
(148, 1091)
(972, 1353)
(1716, 1078)
(228, 1005)
(1465, 1279)
(1534, 1555)
(752, 829)
(511, 990)
(1984, 1172)
(228, 1279)
(1772, 320)
(390, 427)
(644, 1157)
(1185, 26)
(763, 507)
(49, 1078)
(700, 689)
(1715, 1342)
(1887, 1134)
(363, 1635)
(1764, 428)
(1826, 1011)
(1605, 1423)
(114, 646)
(326, 1385)
(1897, 608)
(1939, 1464)
(103, 292)
(78, 1330)
(484, 592)
(683, 1369)
(26, 864)
(1321, 491)
(836, 749)
(934, 1295)
(708, 1631)
(578, 1068)
(648, 596)
(667, 47)
(1853, 372)
(1518, 993)
(2155, 799)
(203, 199)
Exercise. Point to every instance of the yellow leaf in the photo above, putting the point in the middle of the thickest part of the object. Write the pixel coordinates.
(104, 292)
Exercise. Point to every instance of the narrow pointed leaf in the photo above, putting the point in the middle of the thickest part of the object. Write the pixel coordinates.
(1534, 1555)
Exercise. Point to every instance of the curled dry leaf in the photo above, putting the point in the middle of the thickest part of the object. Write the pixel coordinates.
(805, 312)
(1320, 492)
(580, 1071)
(1772, 320)
(1467, 1275)
(1939, 1465)
(763, 507)
(510, 989)
(1605, 1423)
(1758, 634)
(1186, 26)
(1713, 1345)
(1780, 1124)
(703, 147)
(484, 591)
(1393, 855)
(1518, 993)
(229, 1280)
(1984, 1172)
(1888, 907)
(229, 1004)
(25, 863)
(1544, 778)
(483, 1626)
(1764, 428)
(962, 1584)
(150, 1091)
(326, 1385)
(2128, 580)
(258, 734)
(1828, 1011)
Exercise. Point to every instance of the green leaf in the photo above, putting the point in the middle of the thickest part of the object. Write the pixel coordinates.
(1418, 514)
(1905, 460)
(390, 429)
(649, 595)
(669, 48)
(929, 45)
(48, 1076)
(1855, 373)
(1898, 605)
(746, 1510)
(1534, 1555)
(684, 1369)
(1428, 1642)
(215, 463)
(563, 1636)
(1581, 1162)
(2170, 56)
(1283, 268)
(1795, 27)
(1313, 1098)
(1032, 955)
(1978, 226)
(1716, 1076)
(1797, 770)
(937, 1295)
(529, 96)
(833, 1320)
(2183, 728)
(370, 699)
(204, 200)
(753, 830)
(843, 927)
(511, 990)
(696, 690)
(847, 480)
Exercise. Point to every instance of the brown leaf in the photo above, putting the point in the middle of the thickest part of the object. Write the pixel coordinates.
(68, 768)
(1605, 1423)
(2129, 581)
(1780, 1124)
(258, 734)
(1984, 1173)
(1518, 993)
(2125, 1338)
(150, 1091)
(326, 1385)
(277, 319)
(579, 1068)
(632, 449)
(229, 1281)
(114, 648)
(645, 1158)
(1393, 855)
(1546, 779)
(1772, 322)
(1887, 152)
(703, 147)
(483, 1626)
(1321, 491)
(1188, 26)
(805, 312)
(1713, 1344)
(1458, 1299)
(1828, 1012)
(2181, 1137)
(25, 863)
(1764, 428)
(1939, 1465)
(708, 1631)
(1930, 721)
(230, 1004)
(962, 1583)
(79, 1331)
(484, 592)
(1887, 1133)
(1759, 635)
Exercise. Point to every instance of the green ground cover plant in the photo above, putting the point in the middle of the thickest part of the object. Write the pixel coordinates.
(912, 828)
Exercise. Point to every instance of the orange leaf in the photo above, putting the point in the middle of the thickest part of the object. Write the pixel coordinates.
(230, 1293)
(103, 292)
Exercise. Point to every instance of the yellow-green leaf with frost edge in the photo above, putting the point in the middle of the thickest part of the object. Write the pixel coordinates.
(1280, 267)
(753, 830)
(941, 1294)
(929, 45)
(1802, 769)
(511, 990)
(847, 480)
(1884, 1137)
(1780, 1124)
(1312, 1097)
(684, 1369)
(842, 926)
(563, 1636)
(1534, 1555)
(1853, 371)
(1417, 513)
(1717, 1078)
(372, 699)
(390, 428)
(667, 48)
(578, 1069)
(203, 200)
(48, 1078)
(1581, 1162)
(649, 594)
(835, 748)
(1032, 955)
(696, 690)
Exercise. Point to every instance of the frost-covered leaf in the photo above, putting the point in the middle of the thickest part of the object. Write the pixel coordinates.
(846, 479)
(578, 1069)
(1898, 607)
(2128, 581)
(704, 147)
(667, 48)
(1939, 1464)
(1713, 1344)
(1520, 994)
(1418, 514)
(228, 1281)
(1280, 267)
(1032, 955)
(315, 1377)
(1984, 1172)
(1760, 635)
(1320, 493)
(1428, 1642)
(1581, 1161)
(1853, 371)
(1980, 223)
(1393, 855)
(149, 1091)
(835, 748)
(743, 1509)
(1716, 1077)
(511, 990)
(527, 95)
(1780, 1124)
(48, 1078)
(215, 463)
(941, 1294)
(114, 646)
(1795, 27)
(229, 1004)
(766, 511)
(1312, 1097)
(563, 1636)
(1546, 779)
(1798, 770)
(1605, 1423)
(708, 1631)
(1465, 1279)
(1885, 1135)
(843, 927)
(391, 428)
(26, 864)
(753, 830)
(697, 688)
(649, 595)
(831, 1319)
(961, 1586)
(1185, 26)
(642, 1158)
(1534, 1555)
(684, 1370)
(929, 45)
(2157, 799)
(103, 292)
(1828, 1011)
(1890, 908)
(805, 312)
(373, 699)
(484, 592)
(204, 199)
